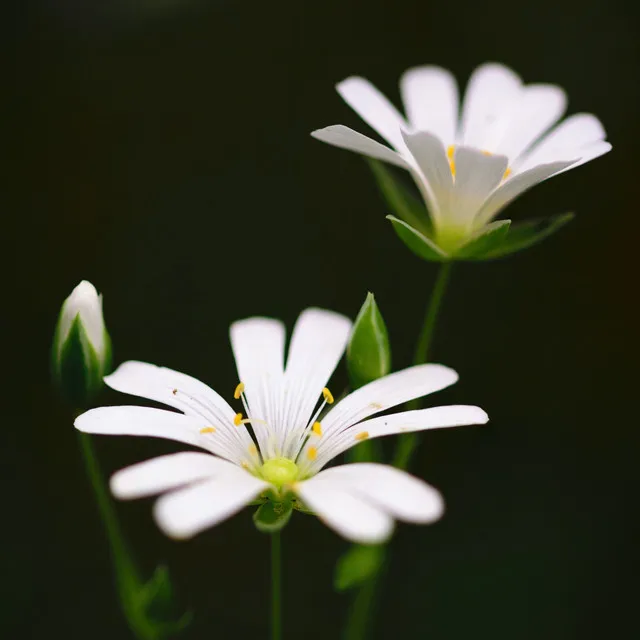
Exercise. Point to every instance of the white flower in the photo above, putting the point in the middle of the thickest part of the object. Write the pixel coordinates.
(285, 450)
(469, 166)
(81, 345)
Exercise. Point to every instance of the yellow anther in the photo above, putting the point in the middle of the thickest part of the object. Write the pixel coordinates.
(507, 173)
(376, 405)
(208, 430)
(238, 419)
(451, 149)
(253, 449)
(244, 465)
(363, 435)
(486, 153)
(317, 429)
(312, 453)
(328, 396)
(239, 391)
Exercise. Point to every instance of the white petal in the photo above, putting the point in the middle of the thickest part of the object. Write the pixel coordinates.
(340, 136)
(477, 175)
(258, 348)
(84, 300)
(590, 152)
(565, 141)
(164, 473)
(185, 393)
(157, 423)
(430, 96)
(395, 423)
(374, 108)
(514, 186)
(539, 107)
(349, 515)
(385, 393)
(184, 513)
(431, 158)
(489, 98)
(317, 344)
(400, 494)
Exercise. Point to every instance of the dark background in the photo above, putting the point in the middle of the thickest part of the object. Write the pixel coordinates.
(162, 150)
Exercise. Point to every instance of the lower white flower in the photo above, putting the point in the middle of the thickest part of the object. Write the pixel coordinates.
(282, 454)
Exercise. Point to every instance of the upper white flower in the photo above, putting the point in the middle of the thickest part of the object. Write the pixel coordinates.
(286, 447)
(469, 165)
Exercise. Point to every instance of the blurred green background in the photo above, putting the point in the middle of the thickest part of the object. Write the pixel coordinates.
(162, 150)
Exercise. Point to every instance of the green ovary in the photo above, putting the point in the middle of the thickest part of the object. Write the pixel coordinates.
(279, 471)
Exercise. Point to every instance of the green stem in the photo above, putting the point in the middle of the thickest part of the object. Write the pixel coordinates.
(276, 586)
(409, 441)
(127, 578)
(364, 602)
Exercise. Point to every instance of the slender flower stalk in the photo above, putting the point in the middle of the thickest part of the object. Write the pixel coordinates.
(276, 586)
(363, 606)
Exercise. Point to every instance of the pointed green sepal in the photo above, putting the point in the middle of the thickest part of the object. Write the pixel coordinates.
(399, 197)
(422, 246)
(489, 239)
(368, 351)
(523, 235)
(272, 516)
(357, 565)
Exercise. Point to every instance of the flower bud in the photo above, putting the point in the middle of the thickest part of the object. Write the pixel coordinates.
(81, 346)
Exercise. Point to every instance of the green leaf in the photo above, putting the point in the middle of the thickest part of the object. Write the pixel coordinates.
(368, 352)
(488, 239)
(422, 246)
(525, 234)
(357, 565)
(400, 198)
(272, 516)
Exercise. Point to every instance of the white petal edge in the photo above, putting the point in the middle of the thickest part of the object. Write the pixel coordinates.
(491, 92)
(258, 349)
(540, 106)
(515, 186)
(318, 342)
(156, 423)
(477, 176)
(186, 512)
(397, 423)
(430, 97)
(83, 300)
(434, 168)
(374, 108)
(164, 473)
(400, 494)
(345, 138)
(563, 142)
(349, 515)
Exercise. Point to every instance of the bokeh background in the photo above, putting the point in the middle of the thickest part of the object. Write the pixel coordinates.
(162, 150)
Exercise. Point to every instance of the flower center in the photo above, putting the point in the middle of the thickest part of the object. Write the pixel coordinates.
(279, 471)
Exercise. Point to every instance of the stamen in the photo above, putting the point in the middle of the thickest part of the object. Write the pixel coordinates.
(507, 173)
(486, 153)
(328, 396)
(317, 429)
(451, 149)
(239, 391)
(238, 419)
(363, 435)
(253, 450)
(208, 430)
(244, 465)
(312, 453)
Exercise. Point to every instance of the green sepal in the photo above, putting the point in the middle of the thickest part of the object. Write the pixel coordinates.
(523, 235)
(357, 565)
(422, 246)
(156, 606)
(76, 367)
(368, 351)
(272, 516)
(400, 198)
(490, 238)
